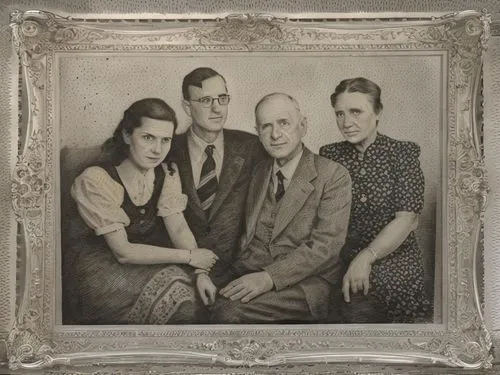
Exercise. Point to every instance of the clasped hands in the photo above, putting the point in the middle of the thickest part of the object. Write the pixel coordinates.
(244, 288)
(202, 259)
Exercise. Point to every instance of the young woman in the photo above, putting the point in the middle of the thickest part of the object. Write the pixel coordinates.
(135, 262)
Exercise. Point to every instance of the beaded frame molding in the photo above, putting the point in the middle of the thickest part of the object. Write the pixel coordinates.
(38, 340)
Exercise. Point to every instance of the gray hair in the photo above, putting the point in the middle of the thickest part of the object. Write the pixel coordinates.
(268, 97)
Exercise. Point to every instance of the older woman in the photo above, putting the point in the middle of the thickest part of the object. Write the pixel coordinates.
(384, 279)
(126, 269)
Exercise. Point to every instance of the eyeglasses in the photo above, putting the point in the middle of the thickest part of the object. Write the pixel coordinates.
(207, 101)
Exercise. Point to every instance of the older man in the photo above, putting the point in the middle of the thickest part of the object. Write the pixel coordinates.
(296, 222)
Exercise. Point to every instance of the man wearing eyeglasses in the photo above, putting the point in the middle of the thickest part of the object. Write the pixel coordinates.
(215, 167)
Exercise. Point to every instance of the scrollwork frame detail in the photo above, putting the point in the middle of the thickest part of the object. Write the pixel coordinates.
(36, 342)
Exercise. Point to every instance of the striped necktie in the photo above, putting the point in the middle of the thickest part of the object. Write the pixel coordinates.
(208, 180)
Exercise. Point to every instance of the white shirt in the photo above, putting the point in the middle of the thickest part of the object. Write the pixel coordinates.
(196, 149)
(287, 170)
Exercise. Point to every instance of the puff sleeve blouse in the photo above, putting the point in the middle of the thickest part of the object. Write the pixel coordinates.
(99, 199)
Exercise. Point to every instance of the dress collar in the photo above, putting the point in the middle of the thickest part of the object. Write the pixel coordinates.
(379, 139)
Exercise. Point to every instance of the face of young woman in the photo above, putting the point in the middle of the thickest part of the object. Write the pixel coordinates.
(356, 118)
(150, 143)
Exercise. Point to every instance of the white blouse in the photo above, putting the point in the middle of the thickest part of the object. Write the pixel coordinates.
(99, 198)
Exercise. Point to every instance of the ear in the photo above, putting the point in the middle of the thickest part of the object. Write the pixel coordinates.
(186, 106)
(377, 117)
(304, 125)
(126, 137)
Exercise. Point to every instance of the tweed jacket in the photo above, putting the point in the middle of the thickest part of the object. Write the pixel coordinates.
(309, 232)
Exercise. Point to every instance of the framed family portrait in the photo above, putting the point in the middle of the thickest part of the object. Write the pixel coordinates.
(410, 82)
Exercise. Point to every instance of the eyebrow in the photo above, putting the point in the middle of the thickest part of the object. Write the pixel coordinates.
(262, 124)
(349, 110)
(222, 93)
(153, 135)
(279, 120)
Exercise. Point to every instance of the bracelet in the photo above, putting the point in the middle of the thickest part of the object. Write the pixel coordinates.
(374, 253)
(190, 256)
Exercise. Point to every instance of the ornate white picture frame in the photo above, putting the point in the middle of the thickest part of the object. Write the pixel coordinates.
(54, 50)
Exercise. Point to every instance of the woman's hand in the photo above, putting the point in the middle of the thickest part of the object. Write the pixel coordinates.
(202, 258)
(206, 288)
(357, 277)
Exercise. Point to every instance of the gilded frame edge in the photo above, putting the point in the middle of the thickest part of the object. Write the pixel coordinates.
(34, 341)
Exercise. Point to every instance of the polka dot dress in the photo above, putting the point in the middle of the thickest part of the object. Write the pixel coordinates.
(386, 178)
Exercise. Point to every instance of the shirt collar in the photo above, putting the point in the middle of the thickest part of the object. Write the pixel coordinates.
(197, 145)
(289, 168)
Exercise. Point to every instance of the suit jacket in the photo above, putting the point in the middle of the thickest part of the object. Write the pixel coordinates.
(309, 232)
(221, 230)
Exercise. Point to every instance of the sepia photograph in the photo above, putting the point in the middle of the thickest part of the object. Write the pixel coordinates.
(358, 248)
(249, 191)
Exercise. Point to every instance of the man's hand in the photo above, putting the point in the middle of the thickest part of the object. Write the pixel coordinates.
(357, 277)
(206, 288)
(248, 287)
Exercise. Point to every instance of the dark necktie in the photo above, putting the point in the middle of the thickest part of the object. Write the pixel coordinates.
(208, 180)
(281, 188)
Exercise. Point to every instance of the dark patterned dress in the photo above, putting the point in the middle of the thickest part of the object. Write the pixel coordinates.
(99, 289)
(386, 178)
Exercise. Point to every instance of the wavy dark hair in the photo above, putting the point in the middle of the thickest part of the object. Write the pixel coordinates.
(115, 150)
(362, 85)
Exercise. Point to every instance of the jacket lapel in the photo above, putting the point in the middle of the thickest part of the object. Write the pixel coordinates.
(256, 196)
(231, 167)
(181, 158)
(299, 189)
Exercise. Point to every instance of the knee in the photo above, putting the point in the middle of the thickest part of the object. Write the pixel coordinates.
(226, 311)
(334, 307)
(363, 309)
